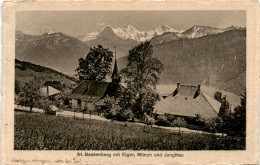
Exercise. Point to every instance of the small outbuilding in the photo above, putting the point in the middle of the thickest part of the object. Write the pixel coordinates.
(49, 91)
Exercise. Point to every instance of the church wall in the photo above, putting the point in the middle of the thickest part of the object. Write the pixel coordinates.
(74, 103)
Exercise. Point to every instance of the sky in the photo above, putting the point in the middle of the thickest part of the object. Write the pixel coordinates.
(77, 23)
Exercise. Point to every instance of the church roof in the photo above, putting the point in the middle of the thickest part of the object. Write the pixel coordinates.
(188, 101)
(115, 73)
(92, 91)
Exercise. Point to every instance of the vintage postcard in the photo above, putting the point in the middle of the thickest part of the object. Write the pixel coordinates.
(130, 82)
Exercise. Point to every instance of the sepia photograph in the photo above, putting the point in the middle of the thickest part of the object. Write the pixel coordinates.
(130, 80)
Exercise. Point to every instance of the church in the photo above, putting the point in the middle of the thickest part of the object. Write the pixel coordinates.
(93, 95)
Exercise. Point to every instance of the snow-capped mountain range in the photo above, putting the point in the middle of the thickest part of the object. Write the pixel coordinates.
(131, 32)
(199, 31)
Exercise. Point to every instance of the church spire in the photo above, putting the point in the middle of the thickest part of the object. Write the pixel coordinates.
(115, 75)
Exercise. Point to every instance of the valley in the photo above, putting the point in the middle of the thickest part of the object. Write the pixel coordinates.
(199, 55)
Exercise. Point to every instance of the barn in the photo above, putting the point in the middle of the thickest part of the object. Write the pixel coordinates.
(188, 101)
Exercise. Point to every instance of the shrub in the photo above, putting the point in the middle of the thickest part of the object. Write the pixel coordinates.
(179, 122)
(124, 114)
(214, 124)
(117, 113)
(162, 121)
(112, 112)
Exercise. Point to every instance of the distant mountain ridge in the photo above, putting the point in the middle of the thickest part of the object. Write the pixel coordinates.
(56, 50)
(218, 60)
(194, 32)
(130, 32)
(212, 59)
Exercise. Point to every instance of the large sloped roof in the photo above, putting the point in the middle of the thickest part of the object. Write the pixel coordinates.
(90, 90)
(234, 100)
(188, 101)
(81, 88)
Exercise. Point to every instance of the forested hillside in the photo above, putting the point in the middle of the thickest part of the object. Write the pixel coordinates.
(26, 70)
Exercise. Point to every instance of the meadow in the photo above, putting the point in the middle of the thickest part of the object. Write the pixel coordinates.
(33, 131)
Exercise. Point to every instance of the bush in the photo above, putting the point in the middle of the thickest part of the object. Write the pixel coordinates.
(117, 113)
(111, 114)
(199, 121)
(214, 125)
(124, 114)
(162, 121)
(179, 122)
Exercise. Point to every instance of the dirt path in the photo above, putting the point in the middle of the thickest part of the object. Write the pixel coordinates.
(64, 113)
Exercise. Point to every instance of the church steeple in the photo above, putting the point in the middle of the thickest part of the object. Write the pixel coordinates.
(115, 75)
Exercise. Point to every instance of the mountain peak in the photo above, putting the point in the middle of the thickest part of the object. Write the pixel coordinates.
(107, 32)
(106, 27)
(232, 27)
(130, 32)
(197, 27)
(199, 31)
(130, 27)
(165, 28)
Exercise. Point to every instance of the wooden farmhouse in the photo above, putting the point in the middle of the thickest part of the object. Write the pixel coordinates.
(188, 101)
(92, 95)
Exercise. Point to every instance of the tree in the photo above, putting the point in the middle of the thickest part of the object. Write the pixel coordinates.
(218, 96)
(30, 94)
(141, 75)
(224, 114)
(224, 110)
(240, 116)
(96, 65)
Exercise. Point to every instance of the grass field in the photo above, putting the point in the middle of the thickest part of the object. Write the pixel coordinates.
(42, 132)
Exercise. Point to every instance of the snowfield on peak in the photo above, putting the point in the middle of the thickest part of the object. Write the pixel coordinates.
(130, 32)
(163, 29)
(200, 31)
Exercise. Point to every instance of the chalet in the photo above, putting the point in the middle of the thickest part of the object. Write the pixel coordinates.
(188, 101)
(92, 95)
